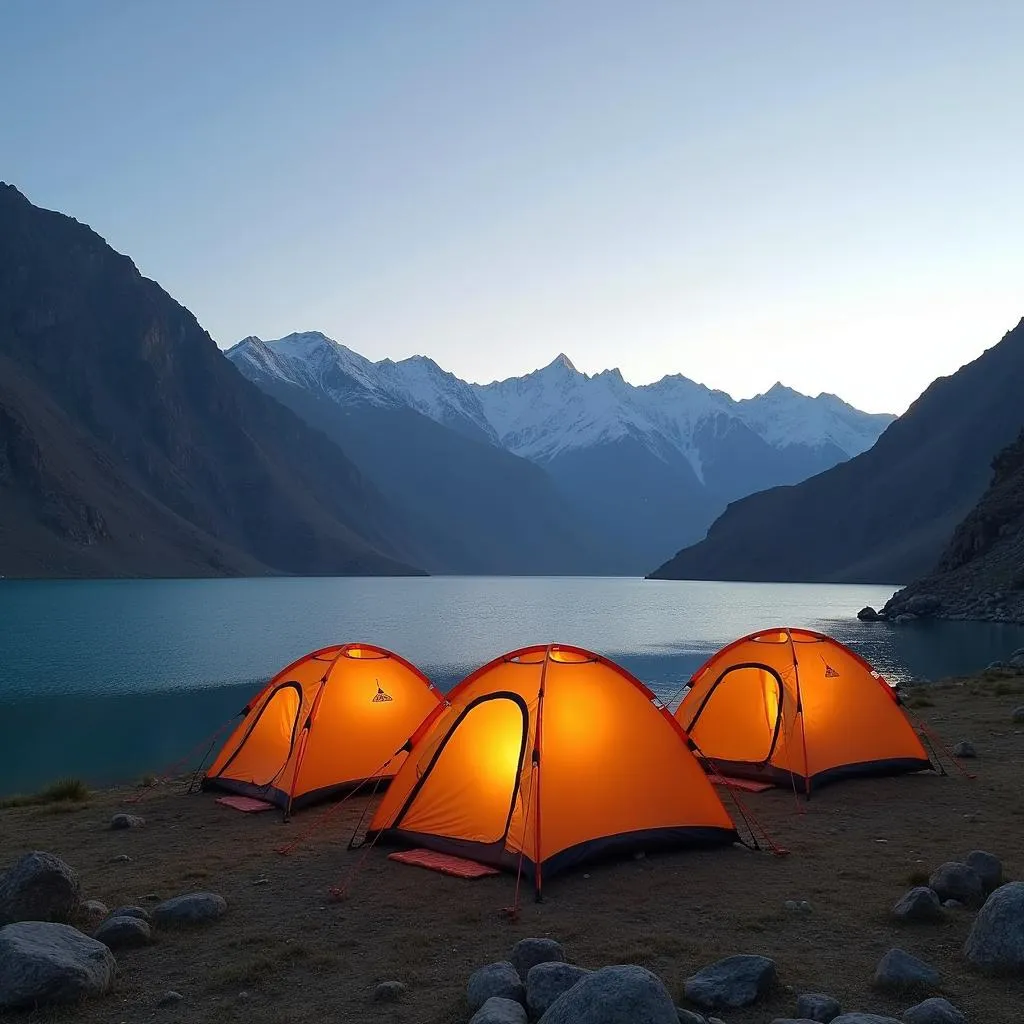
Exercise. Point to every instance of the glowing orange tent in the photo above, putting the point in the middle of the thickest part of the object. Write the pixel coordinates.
(330, 720)
(545, 757)
(792, 706)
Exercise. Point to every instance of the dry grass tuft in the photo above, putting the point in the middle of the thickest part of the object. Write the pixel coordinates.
(61, 791)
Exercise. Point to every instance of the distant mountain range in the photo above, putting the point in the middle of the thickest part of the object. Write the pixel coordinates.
(887, 514)
(617, 474)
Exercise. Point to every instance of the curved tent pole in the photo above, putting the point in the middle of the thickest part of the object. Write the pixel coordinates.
(800, 715)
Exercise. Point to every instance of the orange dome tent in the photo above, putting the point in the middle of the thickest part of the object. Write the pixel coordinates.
(792, 706)
(545, 757)
(330, 720)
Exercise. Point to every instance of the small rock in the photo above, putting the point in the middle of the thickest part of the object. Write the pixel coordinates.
(690, 1017)
(121, 858)
(623, 994)
(952, 904)
(920, 904)
(905, 617)
(42, 963)
(956, 881)
(965, 749)
(140, 912)
(1018, 715)
(39, 887)
(152, 897)
(793, 1020)
(934, 1011)
(527, 953)
(987, 867)
(498, 979)
(92, 912)
(733, 982)
(190, 909)
(867, 614)
(121, 821)
(123, 933)
(898, 971)
(545, 982)
(818, 1006)
(996, 939)
(169, 998)
(243, 997)
(389, 992)
(261, 881)
(498, 1010)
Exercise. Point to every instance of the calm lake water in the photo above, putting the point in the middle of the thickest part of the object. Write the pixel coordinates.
(107, 680)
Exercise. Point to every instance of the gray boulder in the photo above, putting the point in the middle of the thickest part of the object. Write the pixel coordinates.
(965, 750)
(527, 953)
(731, 983)
(547, 981)
(793, 1020)
(122, 821)
(170, 998)
(996, 939)
(42, 963)
(867, 614)
(140, 912)
(614, 995)
(987, 867)
(898, 971)
(389, 992)
(191, 909)
(498, 979)
(934, 1011)
(956, 881)
(123, 933)
(1018, 715)
(920, 904)
(39, 887)
(499, 1011)
(817, 1006)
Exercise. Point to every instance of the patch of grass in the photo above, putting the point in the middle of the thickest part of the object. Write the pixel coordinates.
(918, 877)
(921, 702)
(148, 781)
(61, 791)
(1005, 689)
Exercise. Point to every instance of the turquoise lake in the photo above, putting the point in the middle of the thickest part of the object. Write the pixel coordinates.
(110, 679)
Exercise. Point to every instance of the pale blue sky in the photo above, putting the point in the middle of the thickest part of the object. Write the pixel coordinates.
(826, 193)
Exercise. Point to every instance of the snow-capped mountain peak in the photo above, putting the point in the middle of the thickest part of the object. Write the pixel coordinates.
(555, 409)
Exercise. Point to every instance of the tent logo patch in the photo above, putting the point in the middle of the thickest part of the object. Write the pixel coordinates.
(830, 672)
(380, 696)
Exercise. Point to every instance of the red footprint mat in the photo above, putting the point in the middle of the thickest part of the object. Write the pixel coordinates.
(746, 784)
(245, 804)
(443, 862)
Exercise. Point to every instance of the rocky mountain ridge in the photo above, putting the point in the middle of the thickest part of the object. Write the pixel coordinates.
(981, 572)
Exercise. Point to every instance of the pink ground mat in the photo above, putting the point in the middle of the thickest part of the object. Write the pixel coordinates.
(245, 804)
(746, 784)
(443, 862)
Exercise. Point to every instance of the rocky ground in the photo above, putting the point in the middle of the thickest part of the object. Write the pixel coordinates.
(402, 945)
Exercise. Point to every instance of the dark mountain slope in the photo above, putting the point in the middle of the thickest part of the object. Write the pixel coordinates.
(131, 446)
(981, 572)
(476, 508)
(885, 515)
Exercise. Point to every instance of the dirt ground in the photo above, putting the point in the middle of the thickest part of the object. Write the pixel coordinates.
(286, 952)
